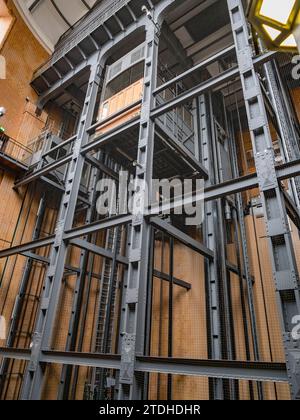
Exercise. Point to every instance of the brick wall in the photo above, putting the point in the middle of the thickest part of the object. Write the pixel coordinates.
(23, 55)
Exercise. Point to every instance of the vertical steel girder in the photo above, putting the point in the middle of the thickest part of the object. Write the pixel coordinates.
(133, 334)
(33, 381)
(15, 318)
(65, 379)
(279, 236)
(289, 143)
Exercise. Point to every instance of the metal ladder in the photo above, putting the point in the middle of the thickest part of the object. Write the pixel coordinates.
(107, 304)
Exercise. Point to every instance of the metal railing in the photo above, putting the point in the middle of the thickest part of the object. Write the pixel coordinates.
(14, 150)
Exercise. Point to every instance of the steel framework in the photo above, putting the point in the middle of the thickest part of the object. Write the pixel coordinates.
(133, 363)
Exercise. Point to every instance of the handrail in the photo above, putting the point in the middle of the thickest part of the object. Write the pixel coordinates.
(14, 149)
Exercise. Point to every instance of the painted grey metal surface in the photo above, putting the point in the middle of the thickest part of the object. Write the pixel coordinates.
(131, 364)
(282, 252)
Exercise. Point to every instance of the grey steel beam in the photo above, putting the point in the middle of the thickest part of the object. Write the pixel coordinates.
(29, 246)
(224, 289)
(292, 209)
(52, 184)
(106, 361)
(185, 239)
(242, 253)
(15, 354)
(256, 371)
(101, 167)
(281, 247)
(60, 146)
(62, 84)
(183, 151)
(78, 292)
(288, 170)
(97, 250)
(231, 187)
(106, 138)
(93, 128)
(35, 257)
(177, 282)
(190, 72)
(284, 172)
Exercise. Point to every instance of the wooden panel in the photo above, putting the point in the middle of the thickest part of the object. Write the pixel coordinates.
(189, 321)
(116, 103)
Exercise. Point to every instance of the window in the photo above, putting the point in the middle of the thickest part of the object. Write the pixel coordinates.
(6, 21)
(127, 78)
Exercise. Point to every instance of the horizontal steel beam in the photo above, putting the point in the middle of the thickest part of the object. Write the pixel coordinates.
(225, 189)
(35, 257)
(103, 139)
(16, 354)
(286, 171)
(29, 246)
(194, 69)
(252, 371)
(167, 277)
(207, 86)
(292, 210)
(93, 128)
(70, 235)
(97, 227)
(102, 168)
(44, 171)
(97, 250)
(181, 237)
(106, 361)
(60, 146)
(195, 92)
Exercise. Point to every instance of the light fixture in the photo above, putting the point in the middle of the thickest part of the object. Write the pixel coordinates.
(277, 22)
(2, 111)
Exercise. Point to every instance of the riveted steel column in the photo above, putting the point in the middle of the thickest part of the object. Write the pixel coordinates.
(33, 382)
(133, 334)
(280, 240)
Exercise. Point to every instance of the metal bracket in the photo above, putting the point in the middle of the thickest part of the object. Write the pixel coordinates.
(35, 352)
(293, 358)
(265, 170)
(132, 296)
(128, 359)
